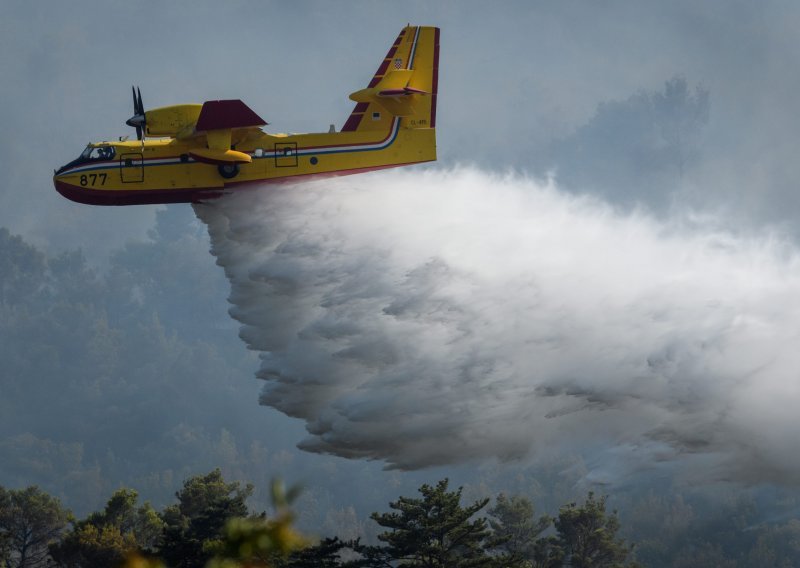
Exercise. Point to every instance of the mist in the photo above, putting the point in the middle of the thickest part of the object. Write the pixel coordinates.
(440, 317)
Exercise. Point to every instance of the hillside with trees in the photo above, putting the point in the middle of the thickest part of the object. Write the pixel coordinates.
(130, 375)
(211, 525)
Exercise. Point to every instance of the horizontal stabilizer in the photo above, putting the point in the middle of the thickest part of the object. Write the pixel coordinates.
(219, 157)
(394, 84)
(404, 92)
(392, 93)
(218, 115)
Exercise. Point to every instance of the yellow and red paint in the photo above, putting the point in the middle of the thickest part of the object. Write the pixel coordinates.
(173, 170)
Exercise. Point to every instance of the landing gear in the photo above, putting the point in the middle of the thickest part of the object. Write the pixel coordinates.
(228, 171)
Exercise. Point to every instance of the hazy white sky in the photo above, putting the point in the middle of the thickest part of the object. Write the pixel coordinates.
(515, 77)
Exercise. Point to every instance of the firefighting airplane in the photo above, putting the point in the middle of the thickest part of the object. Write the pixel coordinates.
(203, 151)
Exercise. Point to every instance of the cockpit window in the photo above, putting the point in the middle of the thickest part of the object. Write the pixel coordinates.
(98, 153)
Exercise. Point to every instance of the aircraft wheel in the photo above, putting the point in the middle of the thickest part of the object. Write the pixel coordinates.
(228, 171)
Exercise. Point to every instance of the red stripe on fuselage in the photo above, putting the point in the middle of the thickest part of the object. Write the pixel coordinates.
(193, 195)
(133, 196)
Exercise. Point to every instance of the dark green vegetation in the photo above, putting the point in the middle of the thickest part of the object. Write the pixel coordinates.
(132, 375)
(210, 525)
(30, 520)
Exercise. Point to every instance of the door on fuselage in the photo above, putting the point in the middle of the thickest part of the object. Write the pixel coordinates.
(286, 154)
(131, 168)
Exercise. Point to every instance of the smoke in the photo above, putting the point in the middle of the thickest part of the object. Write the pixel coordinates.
(437, 317)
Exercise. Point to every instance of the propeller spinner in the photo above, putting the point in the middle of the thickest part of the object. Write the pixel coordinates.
(138, 120)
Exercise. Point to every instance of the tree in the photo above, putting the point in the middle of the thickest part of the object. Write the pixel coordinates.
(194, 527)
(30, 520)
(680, 116)
(22, 269)
(324, 554)
(433, 531)
(587, 536)
(106, 538)
(515, 530)
(645, 142)
(5, 549)
(262, 541)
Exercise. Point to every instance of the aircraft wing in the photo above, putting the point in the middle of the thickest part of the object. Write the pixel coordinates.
(230, 114)
(221, 122)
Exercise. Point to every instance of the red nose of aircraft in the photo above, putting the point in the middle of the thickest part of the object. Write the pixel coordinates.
(71, 192)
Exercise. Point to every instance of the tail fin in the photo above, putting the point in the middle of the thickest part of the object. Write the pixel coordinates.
(405, 85)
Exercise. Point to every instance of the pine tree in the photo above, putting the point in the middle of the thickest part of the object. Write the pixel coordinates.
(433, 531)
(195, 525)
(30, 520)
(106, 538)
(587, 537)
(515, 530)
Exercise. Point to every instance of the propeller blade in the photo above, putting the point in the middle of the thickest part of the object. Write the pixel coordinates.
(139, 119)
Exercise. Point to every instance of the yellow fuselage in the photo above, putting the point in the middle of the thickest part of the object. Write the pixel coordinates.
(161, 171)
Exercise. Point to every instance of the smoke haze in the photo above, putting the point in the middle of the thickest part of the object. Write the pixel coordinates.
(439, 317)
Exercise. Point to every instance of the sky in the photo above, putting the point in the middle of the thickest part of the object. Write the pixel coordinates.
(516, 78)
(552, 94)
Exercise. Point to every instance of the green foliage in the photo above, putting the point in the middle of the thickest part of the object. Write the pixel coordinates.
(437, 531)
(136, 561)
(587, 537)
(108, 537)
(687, 531)
(433, 531)
(515, 530)
(194, 527)
(144, 348)
(324, 554)
(92, 545)
(30, 520)
(5, 549)
(262, 541)
(257, 542)
(22, 269)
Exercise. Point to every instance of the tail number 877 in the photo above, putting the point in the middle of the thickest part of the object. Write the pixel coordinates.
(92, 179)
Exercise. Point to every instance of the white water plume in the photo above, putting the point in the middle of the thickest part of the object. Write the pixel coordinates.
(437, 317)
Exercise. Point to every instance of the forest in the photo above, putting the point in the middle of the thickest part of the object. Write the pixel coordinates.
(211, 525)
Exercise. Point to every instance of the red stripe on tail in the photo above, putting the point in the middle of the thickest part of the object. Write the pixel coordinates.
(435, 86)
(355, 119)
